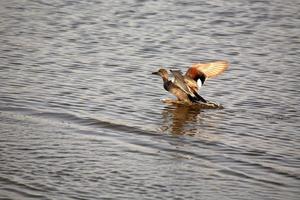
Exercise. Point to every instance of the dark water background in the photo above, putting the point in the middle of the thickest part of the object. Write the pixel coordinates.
(81, 117)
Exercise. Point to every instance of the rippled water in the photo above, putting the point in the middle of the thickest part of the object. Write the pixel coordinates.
(81, 116)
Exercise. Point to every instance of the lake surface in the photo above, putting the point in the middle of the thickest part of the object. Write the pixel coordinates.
(81, 116)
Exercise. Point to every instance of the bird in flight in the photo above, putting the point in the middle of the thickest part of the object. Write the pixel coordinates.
(185, 87)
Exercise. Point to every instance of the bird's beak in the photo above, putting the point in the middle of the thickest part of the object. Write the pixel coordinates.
(155, 73)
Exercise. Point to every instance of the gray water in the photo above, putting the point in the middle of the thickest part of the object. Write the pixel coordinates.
(81, 116)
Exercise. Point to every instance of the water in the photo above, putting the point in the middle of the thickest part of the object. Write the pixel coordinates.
(81, 116)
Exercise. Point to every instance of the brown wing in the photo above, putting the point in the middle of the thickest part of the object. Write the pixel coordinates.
(191, 83)
(179, 80)
(180, 94)
(211, 69)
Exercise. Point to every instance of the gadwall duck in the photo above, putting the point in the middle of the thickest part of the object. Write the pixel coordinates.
(185, 87)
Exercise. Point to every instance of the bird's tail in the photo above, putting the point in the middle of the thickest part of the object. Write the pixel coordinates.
(196, 98)
(199, 98)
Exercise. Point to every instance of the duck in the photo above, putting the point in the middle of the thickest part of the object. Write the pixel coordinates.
(186, 86)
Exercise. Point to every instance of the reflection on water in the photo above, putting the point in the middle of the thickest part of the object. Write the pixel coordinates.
(177, 119)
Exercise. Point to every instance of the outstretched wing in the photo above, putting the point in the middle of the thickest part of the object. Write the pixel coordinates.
(180, 82)
(187, 85)
(211, 69)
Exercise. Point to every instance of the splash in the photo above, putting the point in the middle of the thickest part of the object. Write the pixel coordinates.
(201, 105)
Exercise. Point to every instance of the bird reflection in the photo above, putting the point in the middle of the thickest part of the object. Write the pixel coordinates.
(177, 119)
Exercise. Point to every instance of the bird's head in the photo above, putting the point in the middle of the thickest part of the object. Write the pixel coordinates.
(163, 73)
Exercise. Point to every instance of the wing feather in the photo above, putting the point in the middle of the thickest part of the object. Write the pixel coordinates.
(179, 81)
(212, 69)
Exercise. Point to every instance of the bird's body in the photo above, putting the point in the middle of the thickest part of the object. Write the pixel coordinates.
(185, 87)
